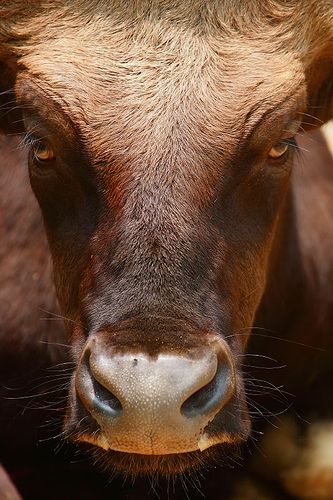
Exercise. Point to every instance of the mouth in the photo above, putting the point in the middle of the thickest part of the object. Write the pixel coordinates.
(163, 465)
(92, 441)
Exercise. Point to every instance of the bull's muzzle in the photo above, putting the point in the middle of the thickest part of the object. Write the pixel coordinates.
(154, 405)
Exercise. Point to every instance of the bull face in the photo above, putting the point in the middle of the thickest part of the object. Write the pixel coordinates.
(161, 146)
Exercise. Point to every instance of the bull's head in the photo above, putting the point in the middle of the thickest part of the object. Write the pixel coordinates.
(161, 140)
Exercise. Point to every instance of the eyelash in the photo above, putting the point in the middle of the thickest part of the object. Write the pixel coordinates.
(36, 146)
(30, 140)
(290, 142)
(293, 147)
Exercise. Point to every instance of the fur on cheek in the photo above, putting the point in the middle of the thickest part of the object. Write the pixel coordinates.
(301, 461)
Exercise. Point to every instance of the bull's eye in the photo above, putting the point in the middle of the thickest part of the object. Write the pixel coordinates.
(42, 151)
(280, 149)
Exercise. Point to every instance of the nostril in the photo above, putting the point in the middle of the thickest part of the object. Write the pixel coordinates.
(93, 394)
(211, 395)
(105, 401)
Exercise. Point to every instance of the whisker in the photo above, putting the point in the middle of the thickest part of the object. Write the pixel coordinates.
(273, 337)
(59, 316)
(47, 342)
(310, 116)
(265, 367)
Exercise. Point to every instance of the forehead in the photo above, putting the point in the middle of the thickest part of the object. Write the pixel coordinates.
(152, 76)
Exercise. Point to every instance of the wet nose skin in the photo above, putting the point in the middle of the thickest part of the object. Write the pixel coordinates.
(155, 405)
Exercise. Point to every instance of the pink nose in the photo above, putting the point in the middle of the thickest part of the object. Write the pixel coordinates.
(154, 405)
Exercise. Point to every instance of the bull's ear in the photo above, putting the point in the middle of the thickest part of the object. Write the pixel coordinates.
(10, 113)
(318, 62)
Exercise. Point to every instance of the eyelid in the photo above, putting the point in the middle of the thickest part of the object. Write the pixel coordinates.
(292, 129)
(290, 141)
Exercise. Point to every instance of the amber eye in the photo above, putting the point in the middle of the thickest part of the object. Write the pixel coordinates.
(280, 149)
(42, 151)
